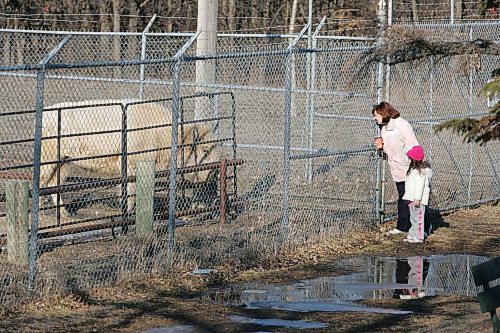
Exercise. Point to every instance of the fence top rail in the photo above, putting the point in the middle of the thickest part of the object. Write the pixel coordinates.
(447, 24)
(134, 62)
(175, 34)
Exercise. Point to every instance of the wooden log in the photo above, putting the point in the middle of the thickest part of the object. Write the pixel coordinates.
(17, 203)
(145, 198)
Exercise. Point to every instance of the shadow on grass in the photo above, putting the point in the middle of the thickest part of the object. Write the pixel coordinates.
(435, 219)
(422, 308)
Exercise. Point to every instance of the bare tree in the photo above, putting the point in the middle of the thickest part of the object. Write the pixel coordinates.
(414, 10)
(133, 22)
(459, 8)
(402, 46)
(116, 39)
(291, 27)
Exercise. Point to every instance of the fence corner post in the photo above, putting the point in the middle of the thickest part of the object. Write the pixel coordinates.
(17, 205)
(145, 198)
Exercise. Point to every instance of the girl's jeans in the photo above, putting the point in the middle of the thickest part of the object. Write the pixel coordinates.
(417, 214)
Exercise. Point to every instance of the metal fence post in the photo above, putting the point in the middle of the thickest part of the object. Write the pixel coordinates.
(431, 105)
(310, 99)
(287, 131)
(124, 168)
(176, 100)
(380, 170)
(143, 56)
(35, 194)
(388, 66)
(469, 104)
(286, 139)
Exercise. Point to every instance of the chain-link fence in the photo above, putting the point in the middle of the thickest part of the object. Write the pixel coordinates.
(274, 152)
(440, 89)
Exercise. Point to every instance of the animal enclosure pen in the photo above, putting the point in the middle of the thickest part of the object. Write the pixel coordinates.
(298, 117)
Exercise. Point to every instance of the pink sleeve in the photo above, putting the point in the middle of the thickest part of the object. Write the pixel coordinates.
(407, 135)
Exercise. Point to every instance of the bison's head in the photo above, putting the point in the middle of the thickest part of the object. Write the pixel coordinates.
(199, 147)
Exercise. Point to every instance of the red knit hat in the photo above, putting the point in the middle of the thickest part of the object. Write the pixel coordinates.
(416, 153)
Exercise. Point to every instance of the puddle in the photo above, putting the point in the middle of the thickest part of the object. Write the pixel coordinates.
(202, 271)
(171, 329)
(320, 306)
(376, 279)
(299, 324)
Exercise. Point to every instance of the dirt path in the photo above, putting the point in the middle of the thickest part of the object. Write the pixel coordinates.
(169, 302)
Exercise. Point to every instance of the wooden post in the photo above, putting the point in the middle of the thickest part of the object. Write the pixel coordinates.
(206, 44)
(145, 198)
(222, 190)
(17, 199)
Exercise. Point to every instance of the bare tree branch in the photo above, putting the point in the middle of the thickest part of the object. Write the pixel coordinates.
(399, 45)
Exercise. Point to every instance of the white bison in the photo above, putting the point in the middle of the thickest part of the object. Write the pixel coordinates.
(92, 128)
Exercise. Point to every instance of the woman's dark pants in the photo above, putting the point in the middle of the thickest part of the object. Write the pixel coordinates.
(404, 223)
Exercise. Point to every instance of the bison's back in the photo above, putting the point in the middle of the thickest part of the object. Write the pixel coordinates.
(90, 122)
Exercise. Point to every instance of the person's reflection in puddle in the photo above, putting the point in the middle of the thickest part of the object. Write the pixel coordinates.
(412, 271)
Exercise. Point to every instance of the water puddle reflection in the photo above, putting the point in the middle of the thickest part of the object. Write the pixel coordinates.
(299, 324)
(376, 279)
(171, 329)
(319, 306)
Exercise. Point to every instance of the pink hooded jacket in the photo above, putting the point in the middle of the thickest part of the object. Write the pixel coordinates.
(399, 137)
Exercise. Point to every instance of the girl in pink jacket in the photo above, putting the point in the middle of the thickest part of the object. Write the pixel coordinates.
(417, 192)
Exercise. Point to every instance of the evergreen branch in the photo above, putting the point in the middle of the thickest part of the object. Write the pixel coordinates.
(479, 131)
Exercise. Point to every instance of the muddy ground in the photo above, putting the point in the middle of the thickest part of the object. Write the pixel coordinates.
(181, 302)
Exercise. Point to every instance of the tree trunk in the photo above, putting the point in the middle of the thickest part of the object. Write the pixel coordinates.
(19, 42)
(231, 11)
(87, 18)
(104, 25)
(134, 46)
(103, 17)
(170, 13)
(190, 13)
(266, 13)
(116, 15)
(116, 39)
(458, 9)
(254, 23)
(414, 9)
(291, 27)
(6, 38)
(133, 19)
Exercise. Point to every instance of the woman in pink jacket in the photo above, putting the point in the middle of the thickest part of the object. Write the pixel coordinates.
(397, 139)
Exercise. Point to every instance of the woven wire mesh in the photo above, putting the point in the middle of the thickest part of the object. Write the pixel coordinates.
(245, 110)
(436, 90)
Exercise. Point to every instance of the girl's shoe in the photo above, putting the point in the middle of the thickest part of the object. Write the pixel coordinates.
(412, 240)
(394, 232)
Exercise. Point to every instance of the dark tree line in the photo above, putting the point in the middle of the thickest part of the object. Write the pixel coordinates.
(345, 17)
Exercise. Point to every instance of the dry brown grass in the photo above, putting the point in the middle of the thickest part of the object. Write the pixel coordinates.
(136, 305)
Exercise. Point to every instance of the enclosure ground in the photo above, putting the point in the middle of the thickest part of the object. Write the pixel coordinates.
(140, 305)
